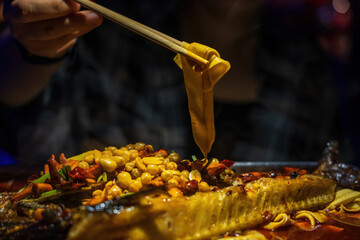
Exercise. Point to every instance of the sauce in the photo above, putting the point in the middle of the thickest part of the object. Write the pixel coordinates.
(331, 230)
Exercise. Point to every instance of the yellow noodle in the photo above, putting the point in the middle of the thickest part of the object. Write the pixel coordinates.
(354, 206)
(344, 197)
(281, 220)
(199, 83)
(312, 216)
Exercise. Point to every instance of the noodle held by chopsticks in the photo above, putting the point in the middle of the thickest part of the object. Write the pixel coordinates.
(199, 82)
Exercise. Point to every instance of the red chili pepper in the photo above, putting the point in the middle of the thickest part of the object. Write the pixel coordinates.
(79, 173)
(95, 170)
(228, 163)
(215, 168)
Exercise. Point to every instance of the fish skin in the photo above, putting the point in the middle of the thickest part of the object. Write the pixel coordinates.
(205, 215)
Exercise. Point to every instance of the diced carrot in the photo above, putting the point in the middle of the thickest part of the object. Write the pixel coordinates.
(23, 194)
(62, 159)
(55, 177)
(46, 168)
(38, 188)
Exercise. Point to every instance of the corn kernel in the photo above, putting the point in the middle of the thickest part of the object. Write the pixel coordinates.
(83, 165)
(110, 148)
(139, 164)
(146, 178)
(89, 158)
(108, 165)
(203, 187)
(114, 191)
(182, 181)
(195, 175)
(135, 173)
(162, 168)
(130, 146)
(135, 185)
(185, 174)
(105, 154)
(121, 152)
(177, 178)
(129, 166)
(152, 160)
(173, 183)
(166, 161)
(175, 172)
(133, 155)
(139, 146)
(174, 165)
(166, 175)
(124, 179)
(171, 166)
(152, 169)
(97, 156)
(120, 161)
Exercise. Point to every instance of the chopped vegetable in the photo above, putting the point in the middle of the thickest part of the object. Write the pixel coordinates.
(50, 193)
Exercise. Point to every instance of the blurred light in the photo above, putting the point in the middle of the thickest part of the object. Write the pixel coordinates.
(6, 158)
(341, 6)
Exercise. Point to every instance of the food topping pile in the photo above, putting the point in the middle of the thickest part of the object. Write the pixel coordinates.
(145, 189)
(116, 172)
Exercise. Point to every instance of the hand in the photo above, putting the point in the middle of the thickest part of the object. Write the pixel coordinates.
(48, 28)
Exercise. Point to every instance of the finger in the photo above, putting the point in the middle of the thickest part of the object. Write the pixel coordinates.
(55, 28)
(36, 10)
(54, 48)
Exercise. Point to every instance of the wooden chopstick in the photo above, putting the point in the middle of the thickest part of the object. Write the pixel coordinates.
(145, 31)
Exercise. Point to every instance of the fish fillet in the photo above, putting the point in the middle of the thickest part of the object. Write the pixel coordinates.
(206, 215)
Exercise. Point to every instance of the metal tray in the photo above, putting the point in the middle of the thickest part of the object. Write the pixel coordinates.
(242, 167)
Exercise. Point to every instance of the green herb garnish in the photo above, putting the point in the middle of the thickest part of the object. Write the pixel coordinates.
(50, 193)
(42, 179)
(102, 177)
(105, 177)
(99, 178)
(64, 172)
